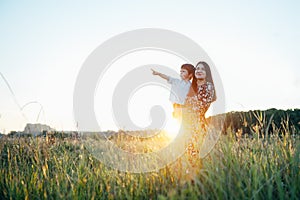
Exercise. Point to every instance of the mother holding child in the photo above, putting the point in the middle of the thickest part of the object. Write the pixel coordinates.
(194, 99)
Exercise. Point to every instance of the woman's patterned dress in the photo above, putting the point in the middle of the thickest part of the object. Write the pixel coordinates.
(194, 118)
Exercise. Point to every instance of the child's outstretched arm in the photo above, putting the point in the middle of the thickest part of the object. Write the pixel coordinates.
(160, 74)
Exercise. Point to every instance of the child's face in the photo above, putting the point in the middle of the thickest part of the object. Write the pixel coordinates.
(200, 72)
(184, 74)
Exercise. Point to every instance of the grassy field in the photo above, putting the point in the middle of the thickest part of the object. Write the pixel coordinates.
(237, 168)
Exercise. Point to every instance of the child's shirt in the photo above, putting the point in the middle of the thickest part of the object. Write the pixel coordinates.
(179, 90)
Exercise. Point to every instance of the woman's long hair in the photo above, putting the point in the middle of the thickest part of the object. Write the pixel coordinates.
(194, 88)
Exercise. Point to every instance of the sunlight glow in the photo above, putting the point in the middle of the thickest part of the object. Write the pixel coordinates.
(172, 127)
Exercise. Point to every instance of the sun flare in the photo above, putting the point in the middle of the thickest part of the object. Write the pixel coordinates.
(172, 127)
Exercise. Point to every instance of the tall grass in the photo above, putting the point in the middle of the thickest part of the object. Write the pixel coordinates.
(237, 168)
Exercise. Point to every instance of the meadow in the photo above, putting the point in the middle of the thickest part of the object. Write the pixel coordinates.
(239, 167)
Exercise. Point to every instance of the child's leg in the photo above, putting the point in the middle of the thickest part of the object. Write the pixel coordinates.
(177, 112)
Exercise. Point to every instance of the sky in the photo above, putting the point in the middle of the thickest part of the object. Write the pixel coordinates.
(254, 46)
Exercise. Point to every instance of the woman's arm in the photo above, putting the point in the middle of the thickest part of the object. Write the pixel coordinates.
(206, 93)
(210, 92)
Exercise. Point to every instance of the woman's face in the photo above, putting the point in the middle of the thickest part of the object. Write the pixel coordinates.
(200, 72)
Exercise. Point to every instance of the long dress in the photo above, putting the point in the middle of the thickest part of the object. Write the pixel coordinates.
(194, 118)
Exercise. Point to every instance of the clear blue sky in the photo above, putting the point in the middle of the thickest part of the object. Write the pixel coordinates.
(255, 46)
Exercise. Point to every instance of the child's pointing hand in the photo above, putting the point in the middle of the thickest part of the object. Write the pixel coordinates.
(154, 72)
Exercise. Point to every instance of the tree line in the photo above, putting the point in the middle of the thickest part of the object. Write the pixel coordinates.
(261, 122)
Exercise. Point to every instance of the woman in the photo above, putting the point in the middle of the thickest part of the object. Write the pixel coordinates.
(200, 96)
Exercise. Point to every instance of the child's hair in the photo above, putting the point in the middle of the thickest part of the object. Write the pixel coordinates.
(189, 67)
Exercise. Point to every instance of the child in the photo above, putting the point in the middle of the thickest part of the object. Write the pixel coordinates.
(179, 87)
